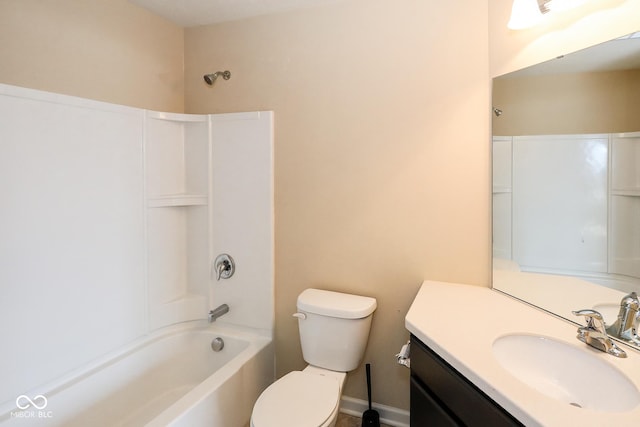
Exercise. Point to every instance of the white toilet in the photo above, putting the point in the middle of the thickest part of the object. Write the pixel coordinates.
(334, 329)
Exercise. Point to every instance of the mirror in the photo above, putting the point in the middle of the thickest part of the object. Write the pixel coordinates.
(566, 180)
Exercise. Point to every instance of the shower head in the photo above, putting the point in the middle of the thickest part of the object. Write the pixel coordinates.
(211, 78)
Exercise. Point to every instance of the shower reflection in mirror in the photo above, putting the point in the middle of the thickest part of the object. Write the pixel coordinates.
(566, 179)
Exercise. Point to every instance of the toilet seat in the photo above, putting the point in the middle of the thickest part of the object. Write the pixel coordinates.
(298, 399)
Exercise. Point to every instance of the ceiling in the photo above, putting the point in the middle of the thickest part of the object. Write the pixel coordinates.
(616, 54)
(620, 54)
(191, 13)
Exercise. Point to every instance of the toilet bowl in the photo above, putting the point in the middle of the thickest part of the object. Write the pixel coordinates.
(307, 398)
(334, 330)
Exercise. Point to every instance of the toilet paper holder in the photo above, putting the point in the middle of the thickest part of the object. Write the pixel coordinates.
(404, 357)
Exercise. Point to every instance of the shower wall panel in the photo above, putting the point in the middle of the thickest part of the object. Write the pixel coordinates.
(72, 276)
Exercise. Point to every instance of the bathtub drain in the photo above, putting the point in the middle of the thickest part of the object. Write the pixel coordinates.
(217, 344)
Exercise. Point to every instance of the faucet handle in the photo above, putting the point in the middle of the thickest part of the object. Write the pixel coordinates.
(595, 333)
(224, 266)
(594, 319)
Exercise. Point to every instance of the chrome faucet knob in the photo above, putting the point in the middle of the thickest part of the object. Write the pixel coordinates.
(224, 266)
(594, 320)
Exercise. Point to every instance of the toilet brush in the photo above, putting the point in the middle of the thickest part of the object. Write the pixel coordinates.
(370, 417)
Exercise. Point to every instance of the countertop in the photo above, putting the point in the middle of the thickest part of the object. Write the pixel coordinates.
(461, 322)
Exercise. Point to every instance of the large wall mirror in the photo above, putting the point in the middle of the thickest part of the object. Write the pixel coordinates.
(566, 180)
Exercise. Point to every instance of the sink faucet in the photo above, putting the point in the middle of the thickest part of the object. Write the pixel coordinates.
(595, 333)
(626, 326)
(217, 312)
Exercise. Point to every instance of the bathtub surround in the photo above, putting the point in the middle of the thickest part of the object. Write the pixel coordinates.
(112, 217)
(382, 157)
(73, 227)
(209, 192)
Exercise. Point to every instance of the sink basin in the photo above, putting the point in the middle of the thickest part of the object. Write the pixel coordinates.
(566, 373)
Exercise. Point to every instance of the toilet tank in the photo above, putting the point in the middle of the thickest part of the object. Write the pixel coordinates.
(334, 328)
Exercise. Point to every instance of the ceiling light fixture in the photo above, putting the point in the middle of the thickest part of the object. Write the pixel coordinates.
(527, 13)
(524, 14)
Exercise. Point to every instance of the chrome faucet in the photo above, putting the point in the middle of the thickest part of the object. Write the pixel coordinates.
(217, 312)
(626, 325)
(595, 333)
(224, 266)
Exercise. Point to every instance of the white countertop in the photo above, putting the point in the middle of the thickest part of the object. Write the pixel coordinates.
(461, 322)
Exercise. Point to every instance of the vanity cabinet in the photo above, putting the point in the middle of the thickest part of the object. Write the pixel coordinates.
(441, 396)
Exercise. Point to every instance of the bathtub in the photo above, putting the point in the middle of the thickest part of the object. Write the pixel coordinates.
(170, 377)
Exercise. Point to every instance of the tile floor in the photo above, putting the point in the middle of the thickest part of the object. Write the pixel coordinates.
(345, 420)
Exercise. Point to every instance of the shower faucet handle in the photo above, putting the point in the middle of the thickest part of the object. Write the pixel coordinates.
(224, 266)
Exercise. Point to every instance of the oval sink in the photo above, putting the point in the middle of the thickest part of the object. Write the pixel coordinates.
(566, 373)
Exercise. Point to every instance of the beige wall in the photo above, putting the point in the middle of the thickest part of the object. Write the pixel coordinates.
(599, 102)
(109, 50)
(381, 156)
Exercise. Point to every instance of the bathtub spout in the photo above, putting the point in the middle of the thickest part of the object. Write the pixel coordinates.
(217, 312)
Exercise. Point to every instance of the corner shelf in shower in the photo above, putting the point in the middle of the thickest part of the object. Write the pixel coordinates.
(176, 200)
(177, 154)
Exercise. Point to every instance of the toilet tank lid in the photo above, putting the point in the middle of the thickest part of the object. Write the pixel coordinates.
(336, 304)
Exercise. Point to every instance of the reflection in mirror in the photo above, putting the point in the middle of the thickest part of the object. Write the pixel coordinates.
(566, 180)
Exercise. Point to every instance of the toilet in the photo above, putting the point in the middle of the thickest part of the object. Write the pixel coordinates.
(334, 330)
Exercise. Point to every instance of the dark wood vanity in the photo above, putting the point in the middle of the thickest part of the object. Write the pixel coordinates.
(441, 396)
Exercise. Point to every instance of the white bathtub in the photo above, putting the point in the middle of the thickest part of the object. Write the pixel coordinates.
(171, 377)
